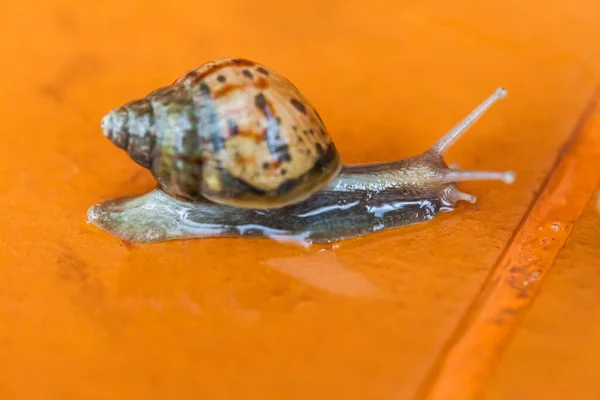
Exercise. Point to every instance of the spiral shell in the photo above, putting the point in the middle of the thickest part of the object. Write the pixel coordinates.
(232, 131)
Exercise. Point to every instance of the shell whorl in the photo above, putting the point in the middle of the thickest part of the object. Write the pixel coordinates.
(160, 132)
(132, 128)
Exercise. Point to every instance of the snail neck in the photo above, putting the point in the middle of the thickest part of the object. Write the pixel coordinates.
(410, 174)
(424, 174)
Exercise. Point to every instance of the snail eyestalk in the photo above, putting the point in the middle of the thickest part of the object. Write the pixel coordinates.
(452, 174)
(442, 145)
(458, 175)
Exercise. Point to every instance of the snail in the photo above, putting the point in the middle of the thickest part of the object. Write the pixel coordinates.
(238, 151)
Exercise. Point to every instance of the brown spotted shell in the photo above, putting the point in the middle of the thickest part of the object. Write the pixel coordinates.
(232, 131)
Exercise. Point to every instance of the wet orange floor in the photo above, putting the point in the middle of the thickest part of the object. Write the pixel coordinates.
(84, 315)
(554, 354)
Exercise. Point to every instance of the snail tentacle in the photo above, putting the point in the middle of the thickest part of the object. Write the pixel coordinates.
(443, 144)
(465, 175)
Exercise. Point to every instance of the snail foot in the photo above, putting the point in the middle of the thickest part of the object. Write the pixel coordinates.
(141, 219)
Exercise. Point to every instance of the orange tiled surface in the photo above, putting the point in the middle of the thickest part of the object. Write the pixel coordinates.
(555, 353)
(84, 315)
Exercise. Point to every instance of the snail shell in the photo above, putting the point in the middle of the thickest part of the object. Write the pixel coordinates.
(232, 131)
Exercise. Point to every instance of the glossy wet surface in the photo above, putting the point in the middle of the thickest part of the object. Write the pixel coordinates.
(86, 315)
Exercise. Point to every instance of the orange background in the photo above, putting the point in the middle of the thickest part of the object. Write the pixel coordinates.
(84, 315)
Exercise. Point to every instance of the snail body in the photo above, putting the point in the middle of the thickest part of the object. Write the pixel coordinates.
(238, 151)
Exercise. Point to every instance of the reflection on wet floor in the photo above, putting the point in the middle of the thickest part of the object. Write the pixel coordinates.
(323, 270)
